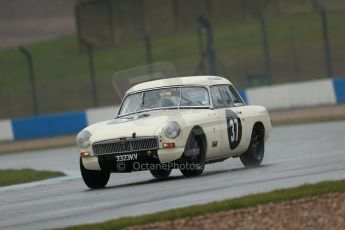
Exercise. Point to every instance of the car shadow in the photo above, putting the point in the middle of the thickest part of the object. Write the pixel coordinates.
(151, 181)
(180, 177)
(217, 172)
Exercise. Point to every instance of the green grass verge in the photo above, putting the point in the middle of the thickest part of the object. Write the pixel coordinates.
(242, 202)
(18, 176)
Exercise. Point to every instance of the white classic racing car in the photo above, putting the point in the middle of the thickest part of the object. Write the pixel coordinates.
(177, 123)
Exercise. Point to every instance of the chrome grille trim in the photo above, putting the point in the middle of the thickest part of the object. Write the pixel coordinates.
(131, 145)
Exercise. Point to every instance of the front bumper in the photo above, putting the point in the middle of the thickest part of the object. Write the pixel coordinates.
(111, 163)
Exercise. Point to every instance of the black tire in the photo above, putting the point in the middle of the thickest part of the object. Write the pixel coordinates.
(193, 159)
(93, 178)
(255, 152)
(161, 173)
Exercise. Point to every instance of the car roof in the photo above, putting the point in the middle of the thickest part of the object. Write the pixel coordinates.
(180, 81)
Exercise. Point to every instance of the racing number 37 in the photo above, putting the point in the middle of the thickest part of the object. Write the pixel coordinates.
(233, 125)
(234, 128)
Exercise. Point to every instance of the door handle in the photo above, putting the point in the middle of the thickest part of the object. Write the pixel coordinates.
(239, 112)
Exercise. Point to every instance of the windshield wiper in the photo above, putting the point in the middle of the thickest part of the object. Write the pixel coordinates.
(135, 112)
(144, 115)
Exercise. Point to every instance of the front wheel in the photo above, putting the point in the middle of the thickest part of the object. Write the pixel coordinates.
(193, 160)
(161, 173)
(255, 153)
(93, 178)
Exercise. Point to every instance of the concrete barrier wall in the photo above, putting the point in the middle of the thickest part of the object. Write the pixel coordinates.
(101, 114)
(321, 92)
(293, 95)
(6, 131)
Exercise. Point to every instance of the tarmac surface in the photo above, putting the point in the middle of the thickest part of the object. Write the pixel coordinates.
(294, 155)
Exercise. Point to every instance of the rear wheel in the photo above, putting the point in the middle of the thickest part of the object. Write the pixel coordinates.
(255, 153)
(94, 178)
(193, 160)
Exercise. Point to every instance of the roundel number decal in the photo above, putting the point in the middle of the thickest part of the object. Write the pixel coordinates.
(234, 128)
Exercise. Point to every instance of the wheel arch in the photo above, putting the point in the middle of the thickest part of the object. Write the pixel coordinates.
(261, 127)
(200, 135)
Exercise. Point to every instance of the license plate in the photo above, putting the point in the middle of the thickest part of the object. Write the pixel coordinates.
(127, 157)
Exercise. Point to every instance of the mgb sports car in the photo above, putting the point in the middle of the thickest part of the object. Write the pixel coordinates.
(178, 123)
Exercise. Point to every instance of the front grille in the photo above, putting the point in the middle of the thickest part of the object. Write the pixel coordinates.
(131, 145)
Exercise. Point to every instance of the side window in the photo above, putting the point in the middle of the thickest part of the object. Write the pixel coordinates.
(217, 97)
(194, 96)
(221, 96)
(235, 97)
(224, 91)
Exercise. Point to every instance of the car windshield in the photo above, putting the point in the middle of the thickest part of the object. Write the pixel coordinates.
(175, 97)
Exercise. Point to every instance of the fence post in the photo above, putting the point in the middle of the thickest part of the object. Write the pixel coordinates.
(28, 57)
(148, 47)
(89, 51)
(264, 37)
(149, 57)
(206, 29)
(326, 43)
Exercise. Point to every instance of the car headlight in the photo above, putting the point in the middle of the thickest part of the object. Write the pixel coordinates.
(171, 129)
(83, 139)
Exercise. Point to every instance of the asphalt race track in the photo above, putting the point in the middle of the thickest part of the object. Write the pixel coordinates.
(294, 155)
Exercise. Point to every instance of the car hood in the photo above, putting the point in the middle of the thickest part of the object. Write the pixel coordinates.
(147, 124)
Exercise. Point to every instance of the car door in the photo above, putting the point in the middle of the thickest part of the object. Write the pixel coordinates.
(243, 133)
(231, 118)
(207, 119)
(213, 133)
(220, 104)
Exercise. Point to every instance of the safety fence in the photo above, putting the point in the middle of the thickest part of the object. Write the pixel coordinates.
(287, 41)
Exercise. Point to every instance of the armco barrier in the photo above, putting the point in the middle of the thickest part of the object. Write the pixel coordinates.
(320, 92)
